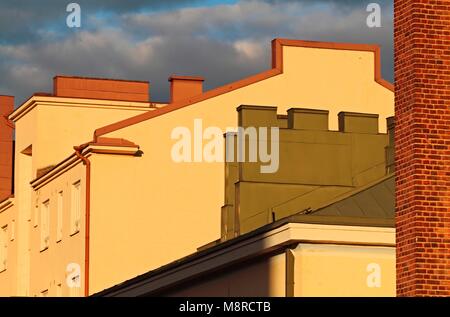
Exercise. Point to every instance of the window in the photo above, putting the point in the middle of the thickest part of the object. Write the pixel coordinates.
(36, 216)
(75, 210)
(45, 225)
(75, 287)
(59, 290)
(13, 230)
(59, 229)
(3, 248)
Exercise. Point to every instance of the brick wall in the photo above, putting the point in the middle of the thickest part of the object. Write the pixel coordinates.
(422, 146)
(98, 88)
(185, 87)
(6, 147)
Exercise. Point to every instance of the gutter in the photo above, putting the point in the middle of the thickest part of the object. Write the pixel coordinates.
(6, 202)
(86, 162)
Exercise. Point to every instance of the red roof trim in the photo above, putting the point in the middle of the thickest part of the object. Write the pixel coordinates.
(277, 69)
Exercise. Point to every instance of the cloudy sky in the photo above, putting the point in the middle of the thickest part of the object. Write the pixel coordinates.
(222, 40)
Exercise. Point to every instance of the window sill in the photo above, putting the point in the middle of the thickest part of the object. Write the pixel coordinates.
(74, 233)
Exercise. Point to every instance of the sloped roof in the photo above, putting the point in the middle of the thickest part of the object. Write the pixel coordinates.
(376, 200)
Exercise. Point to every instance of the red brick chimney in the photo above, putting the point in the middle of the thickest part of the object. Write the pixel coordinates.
(101, 88)
(6, 146)
(422, 146)
(184, 87)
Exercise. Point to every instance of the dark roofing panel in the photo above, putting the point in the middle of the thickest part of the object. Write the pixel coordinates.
(376, 201)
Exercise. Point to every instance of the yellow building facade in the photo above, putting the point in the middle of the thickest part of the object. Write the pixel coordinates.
(98, 199)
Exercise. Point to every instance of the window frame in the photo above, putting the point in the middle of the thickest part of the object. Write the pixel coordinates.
(60, 216)
(3, 248)
(75, 208)
(44, 225)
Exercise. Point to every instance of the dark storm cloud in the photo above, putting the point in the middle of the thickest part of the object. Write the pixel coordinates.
(343, 3)
(21, 20)
(147, 40)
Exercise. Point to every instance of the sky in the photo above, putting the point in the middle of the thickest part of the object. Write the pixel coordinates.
(221, 40)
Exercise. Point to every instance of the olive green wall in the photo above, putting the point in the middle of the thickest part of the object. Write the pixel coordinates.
(315, 165)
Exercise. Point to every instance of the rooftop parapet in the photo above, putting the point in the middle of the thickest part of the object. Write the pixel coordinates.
(98, 88)
(356, 122)
(307, 119)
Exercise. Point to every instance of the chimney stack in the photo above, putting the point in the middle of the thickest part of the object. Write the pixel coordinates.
(185, 87)
(422, 146)
(6, 147)
(101, 88)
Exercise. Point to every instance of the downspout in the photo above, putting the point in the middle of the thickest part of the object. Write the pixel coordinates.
(86, 162)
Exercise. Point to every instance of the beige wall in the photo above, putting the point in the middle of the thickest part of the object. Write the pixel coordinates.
(52, 126)
(125, 234)
(8, 277)
(182, 200)
(334, 80)
(344, 270)
(23, 174)
(148, 211)
(50, 267)
(293, 259)
(316, 270)
(62, 127)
